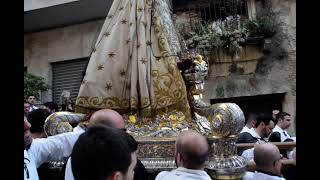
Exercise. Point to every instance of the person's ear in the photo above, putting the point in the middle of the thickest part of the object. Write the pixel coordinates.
(115, 176)
(278, 166)
(179, 159)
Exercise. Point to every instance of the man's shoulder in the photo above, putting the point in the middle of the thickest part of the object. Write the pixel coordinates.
(183, 174)
(245, 129)
(275, 137)
(248, 154)
(78, 128)
(248, 176)
(246, 137)
(260, 176)
(162, 174)
(275, 133)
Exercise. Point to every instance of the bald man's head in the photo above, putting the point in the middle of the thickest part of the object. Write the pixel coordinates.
(193, 149)
(108, 117)
(266, 157)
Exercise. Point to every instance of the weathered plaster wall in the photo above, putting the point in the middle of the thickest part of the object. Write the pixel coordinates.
(256, 73)
(67, 43)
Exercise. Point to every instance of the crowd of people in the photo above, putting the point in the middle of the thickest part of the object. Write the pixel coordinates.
(103, 150)
(51, 107)
(263, 129)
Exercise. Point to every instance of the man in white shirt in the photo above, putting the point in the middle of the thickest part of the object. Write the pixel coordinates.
(107, 117)
(112, 119)
(192, 151)
(250, 123)
(261, 130)
(104, 153)
(279, 133)
(256, 135)
(248, 153)
(31, 100)
(268, 166)
(41, 150)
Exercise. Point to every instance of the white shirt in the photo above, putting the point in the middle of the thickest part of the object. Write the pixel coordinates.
(182, 173)
(256, 135)
(53, 148)
(248, 154)
(260, 176)
(245, 129)
(250, 131)
(78, 129)
(30, 169)
(283, 133)
(32, 107)
(68, 175)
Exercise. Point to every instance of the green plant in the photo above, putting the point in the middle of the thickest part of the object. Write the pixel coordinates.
(228, 34)
(33, 85)
(261, 27)
(225, 34)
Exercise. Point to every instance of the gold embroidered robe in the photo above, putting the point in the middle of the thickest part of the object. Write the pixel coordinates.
(131, 68)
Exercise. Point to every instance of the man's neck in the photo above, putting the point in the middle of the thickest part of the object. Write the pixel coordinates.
(258, 132)
(267, 171)
(280, 127)
(194, 168)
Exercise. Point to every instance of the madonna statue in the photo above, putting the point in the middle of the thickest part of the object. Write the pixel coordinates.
(133, 69)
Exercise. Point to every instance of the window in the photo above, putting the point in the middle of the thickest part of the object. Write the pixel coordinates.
(212, 10)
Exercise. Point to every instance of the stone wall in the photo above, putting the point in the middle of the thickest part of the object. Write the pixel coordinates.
(258, 74)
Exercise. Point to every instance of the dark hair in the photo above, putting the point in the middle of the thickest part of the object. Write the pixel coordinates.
(52, 105)
(99, 152)
(250, 117)
(265, 118)
(37, 118)
(281, 115)
(133, 145)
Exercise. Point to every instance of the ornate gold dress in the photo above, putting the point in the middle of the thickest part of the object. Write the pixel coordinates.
(131, 68)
